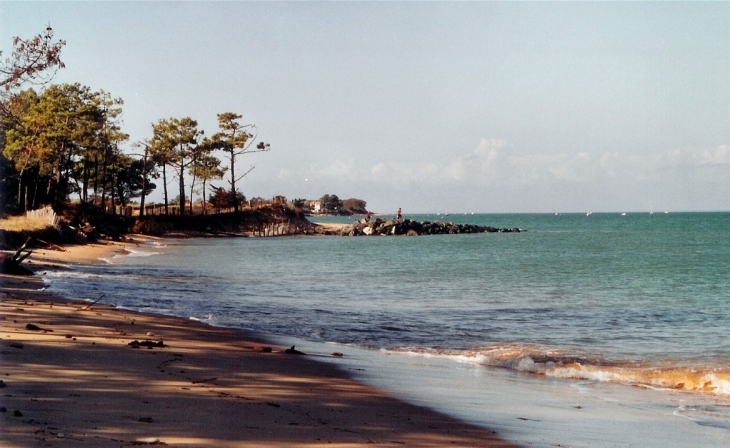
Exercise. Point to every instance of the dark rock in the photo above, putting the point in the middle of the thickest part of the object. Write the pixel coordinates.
(146, 343)
(411, 228)
(293, 351)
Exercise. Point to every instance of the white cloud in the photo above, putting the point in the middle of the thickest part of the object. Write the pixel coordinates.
(564, 167)
(488, 159)
(716, 156)
(490, 151)
(378, 169)
(610, 164)
(456, 169)
(398, 173)
(613, 179)
(340, 170)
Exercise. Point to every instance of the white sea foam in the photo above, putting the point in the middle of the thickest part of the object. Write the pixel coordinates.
(50, 275)
(554, 363)
(141, 253)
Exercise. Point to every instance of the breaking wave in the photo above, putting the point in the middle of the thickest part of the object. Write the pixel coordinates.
(534, 359)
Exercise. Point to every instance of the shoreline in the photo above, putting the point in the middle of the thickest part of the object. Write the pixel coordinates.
(78, 381)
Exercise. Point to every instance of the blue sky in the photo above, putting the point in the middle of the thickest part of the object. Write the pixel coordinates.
(429, 106)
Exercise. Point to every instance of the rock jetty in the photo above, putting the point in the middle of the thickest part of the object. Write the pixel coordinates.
(413, 228)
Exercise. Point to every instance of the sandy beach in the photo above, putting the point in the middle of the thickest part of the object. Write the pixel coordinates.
(71, 378)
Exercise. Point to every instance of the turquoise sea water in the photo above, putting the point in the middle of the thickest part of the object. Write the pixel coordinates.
(629, 300)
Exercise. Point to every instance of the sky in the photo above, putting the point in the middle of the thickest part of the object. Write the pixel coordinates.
(483, 107)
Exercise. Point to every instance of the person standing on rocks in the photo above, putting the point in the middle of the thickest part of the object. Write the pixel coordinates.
(400, 215)
(367, 216)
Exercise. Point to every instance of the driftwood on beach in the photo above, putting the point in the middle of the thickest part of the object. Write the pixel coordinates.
(10, 264)
(412, 228)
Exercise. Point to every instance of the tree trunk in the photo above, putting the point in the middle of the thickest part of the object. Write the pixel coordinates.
(85, 181)
(233, 182)
(144, 183)
(182, 193)
(112, 192)
(35, 196)
(192, 187)
(96, 178)
(22, 197)
(49, 188)
(204, 201)
(164, 185)
(103, 179)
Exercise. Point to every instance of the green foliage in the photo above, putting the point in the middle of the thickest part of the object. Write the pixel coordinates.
(236, 139)
(8, 190)
(67, 133)
(179, 144)
(129, 179)
(67, 140)
(206, 168)
(300, 203)
(354, 206)
(330, 203)
(222, 198)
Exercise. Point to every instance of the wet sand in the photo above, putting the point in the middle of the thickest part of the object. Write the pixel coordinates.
(71, 378)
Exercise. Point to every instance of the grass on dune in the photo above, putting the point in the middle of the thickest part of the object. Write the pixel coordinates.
(20, 223)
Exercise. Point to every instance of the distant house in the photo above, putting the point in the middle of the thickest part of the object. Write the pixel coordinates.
(315, 206)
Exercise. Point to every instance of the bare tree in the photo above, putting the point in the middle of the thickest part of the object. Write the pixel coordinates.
(236, 139)
(33, 61)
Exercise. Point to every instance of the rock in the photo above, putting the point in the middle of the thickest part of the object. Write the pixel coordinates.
(146, 343)
(293, 351)
(411, 228)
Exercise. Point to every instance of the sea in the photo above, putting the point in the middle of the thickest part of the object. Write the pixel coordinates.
(584, 329)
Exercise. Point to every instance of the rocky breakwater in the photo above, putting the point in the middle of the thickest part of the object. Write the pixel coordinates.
(412, 228)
